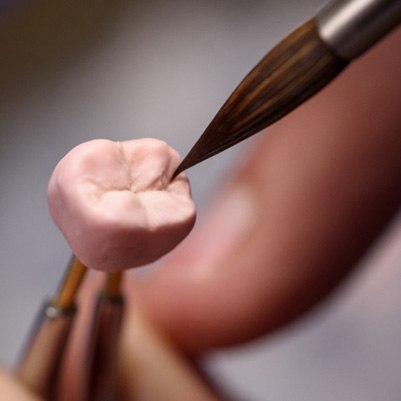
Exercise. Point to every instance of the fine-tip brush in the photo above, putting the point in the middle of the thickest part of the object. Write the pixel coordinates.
(38, 368)
(103, 339)
(298, 67)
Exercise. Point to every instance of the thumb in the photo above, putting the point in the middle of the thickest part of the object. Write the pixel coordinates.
(292, 222)
(13, 390)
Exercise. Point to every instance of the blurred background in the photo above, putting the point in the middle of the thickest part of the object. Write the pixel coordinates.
(74, 70)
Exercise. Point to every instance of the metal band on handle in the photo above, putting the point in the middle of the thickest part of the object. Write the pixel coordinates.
(349, 27)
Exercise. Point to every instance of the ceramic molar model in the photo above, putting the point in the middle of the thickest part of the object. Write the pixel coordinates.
(116, 205)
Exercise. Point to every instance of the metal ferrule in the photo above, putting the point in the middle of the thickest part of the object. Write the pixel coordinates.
(349, 27)
(38, 367)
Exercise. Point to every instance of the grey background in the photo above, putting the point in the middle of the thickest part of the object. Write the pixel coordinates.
(75, 70)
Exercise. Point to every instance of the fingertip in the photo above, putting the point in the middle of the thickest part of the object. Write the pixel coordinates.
(13, 389)
(151, 369)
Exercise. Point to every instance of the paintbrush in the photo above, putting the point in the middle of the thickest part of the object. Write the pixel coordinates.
(40, 362)
(298, 67)
(103, 339)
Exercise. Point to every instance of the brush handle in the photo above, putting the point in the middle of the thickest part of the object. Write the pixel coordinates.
(350, 27)
(40, 362)
(103, 348)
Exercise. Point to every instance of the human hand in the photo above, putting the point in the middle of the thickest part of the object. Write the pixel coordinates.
(149, 368)
(294, 218)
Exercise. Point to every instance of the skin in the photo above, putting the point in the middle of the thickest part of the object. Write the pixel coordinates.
(292, 221)
(308, 202)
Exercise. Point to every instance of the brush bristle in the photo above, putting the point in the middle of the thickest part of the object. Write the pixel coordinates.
(293, 71)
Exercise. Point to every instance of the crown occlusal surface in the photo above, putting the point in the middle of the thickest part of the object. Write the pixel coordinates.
(116, 205)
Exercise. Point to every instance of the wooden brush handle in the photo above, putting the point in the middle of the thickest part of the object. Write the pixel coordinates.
(103, 350)
(39, 366)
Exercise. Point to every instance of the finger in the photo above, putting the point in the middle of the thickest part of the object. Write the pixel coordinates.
(13, 390)
(317, 190)
(151, 369)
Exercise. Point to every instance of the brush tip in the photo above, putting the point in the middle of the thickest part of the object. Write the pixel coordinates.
(294, 70)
